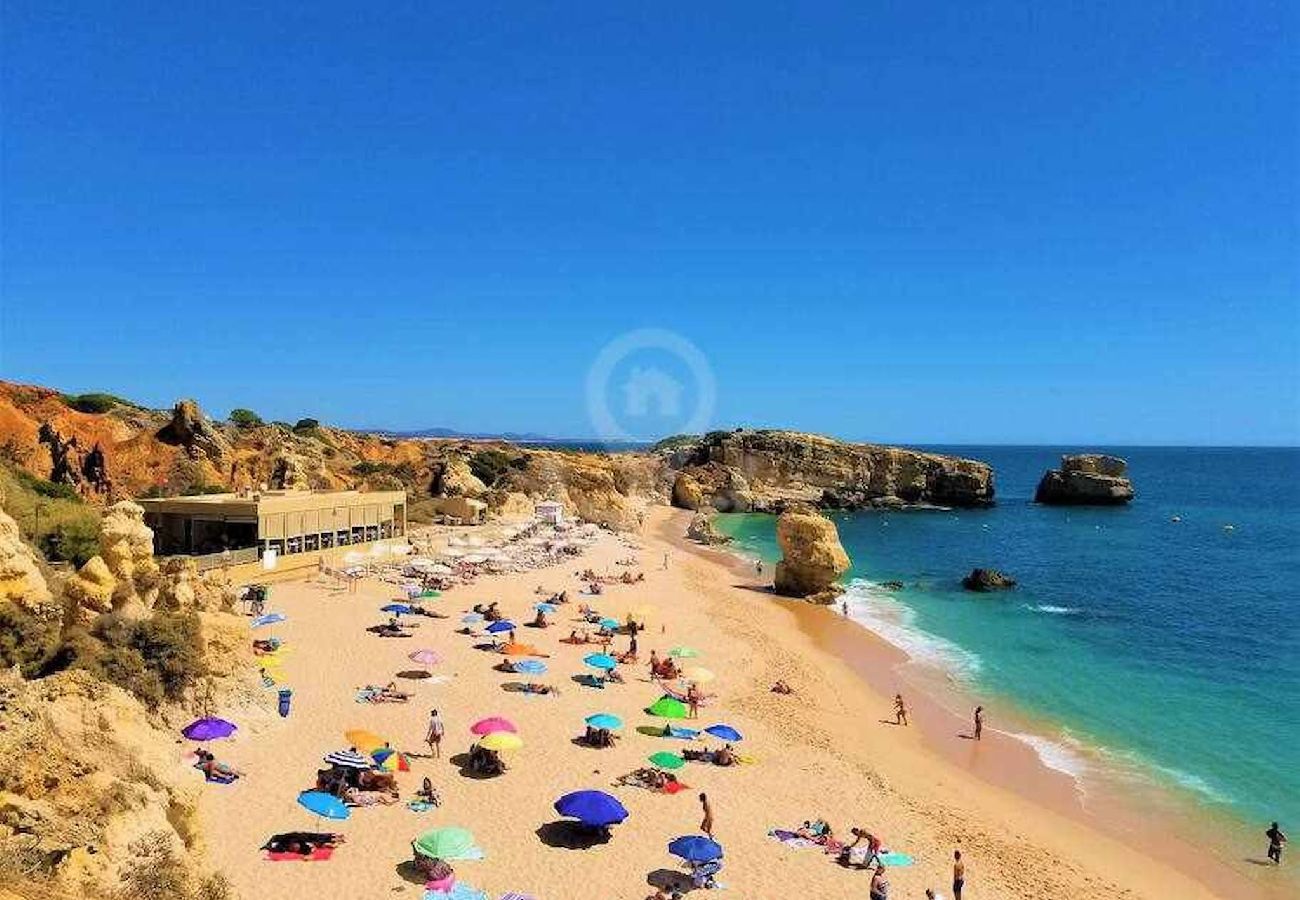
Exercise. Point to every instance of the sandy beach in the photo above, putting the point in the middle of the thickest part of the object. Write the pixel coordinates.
(823, 752)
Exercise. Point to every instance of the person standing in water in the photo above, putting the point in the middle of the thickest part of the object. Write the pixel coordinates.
(958, 874)
(900, 710)
(1275, 841)
(758, 566)
(979, 722)
(706, 824)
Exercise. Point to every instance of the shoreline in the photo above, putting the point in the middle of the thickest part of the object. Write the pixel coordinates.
(1185, 829)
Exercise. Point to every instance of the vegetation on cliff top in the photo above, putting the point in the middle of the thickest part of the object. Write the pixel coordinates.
(96, 403)
(50, 516)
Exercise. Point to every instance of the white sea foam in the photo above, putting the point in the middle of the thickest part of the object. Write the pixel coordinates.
(872, 607)
(1132, 765)
(1055, 755)
(1054, 610)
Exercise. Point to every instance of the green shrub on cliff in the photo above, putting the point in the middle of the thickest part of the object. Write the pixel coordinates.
(489, 465)
(96, 403)
(25, 640)
(51, 517)
(155, 659)
(245, 418)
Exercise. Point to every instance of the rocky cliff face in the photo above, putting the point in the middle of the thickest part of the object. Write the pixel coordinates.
(21, 581)
(1086, 479)
(770, 470)
(812, 557)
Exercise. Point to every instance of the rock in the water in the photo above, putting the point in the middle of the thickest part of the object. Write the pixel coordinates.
(813, 559)
(704, 531)
(987, 580)
(1086, 479)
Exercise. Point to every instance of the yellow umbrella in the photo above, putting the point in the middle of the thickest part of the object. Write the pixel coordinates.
(501, 740)
(698, 675)
(641, 614)
(365, 741)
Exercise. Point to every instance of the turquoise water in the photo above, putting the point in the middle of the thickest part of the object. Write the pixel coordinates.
(1165, 650)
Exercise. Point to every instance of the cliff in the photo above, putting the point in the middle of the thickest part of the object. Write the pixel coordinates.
(1086, 479)
(767, 471)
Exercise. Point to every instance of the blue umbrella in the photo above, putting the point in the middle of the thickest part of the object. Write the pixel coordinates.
(545, 607)
(591, 808)
(498, 627)
(472, 618)
(530, 666)
(695, 848)
(323, 804)
(604, 720)
(268, 619)
(724, 733)
(609, 624)
(399, 608)
(601, 661)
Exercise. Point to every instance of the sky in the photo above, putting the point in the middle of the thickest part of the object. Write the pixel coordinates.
(912, 222)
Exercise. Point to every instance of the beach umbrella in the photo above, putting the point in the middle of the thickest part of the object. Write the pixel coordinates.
(348, 759)
(668, 708)
(609, 624)
(698, 675)
(389, 760)
(724, 733)
(365, 740)
(695, 848)
(208, 729)
(521, 650)
(446, 843)
(472, 618)
(503, 625)
(400, 609)
(268, 619)
(641, 614)
(515, 895)
(425, 657)
(591, 808)
(529, 667)
(604, 720)
(545, 608)
(432, 594)
(323, 804)
(600, 661)
(492, 724)
(665, 760)
(684, 652)
(501, 740)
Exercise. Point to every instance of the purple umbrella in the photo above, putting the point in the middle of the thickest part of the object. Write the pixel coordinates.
(208, 729)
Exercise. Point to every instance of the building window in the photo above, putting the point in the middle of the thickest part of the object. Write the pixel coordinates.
(327, 540)
(310, 543)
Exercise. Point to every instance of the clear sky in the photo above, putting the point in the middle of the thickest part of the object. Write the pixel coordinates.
(986, 222)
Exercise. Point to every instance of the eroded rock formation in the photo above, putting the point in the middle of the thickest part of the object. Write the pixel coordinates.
(21, 580)
(702, 530)
(1086, 479)
(812, 557)
(126, 545)
(194, 431)
(87, 471)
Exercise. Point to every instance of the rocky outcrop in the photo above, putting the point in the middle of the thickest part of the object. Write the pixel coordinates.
(89, 592)
(288, 473)
(703, 531)
(812, 557)
(126, 545)
(87, 471)
(21, 580)
(1086, 479)
(987, 580)
(452, 477)
(768, 471)
(687, 493)
(191, 429)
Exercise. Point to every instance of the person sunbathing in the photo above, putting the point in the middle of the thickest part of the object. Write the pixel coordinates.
(266, 646)
(615, 676)
(213, 770)
(725, 757)
(818, 830)
(534, 687)
(304, 842)
(387, 693)
(356, 796)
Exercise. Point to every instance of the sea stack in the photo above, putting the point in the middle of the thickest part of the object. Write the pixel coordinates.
(812, 557)
(1086, 479)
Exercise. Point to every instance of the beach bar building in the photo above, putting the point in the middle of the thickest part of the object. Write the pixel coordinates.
(234, 529)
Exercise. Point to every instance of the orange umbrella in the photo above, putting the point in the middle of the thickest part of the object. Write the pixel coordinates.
(521, 650)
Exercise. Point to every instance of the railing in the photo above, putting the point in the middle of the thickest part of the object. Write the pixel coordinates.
(225, 558)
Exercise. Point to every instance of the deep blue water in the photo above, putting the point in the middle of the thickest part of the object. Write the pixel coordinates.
(1171, 647)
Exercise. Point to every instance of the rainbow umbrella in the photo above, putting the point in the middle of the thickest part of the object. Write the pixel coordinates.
(492, 724)
(389, 760)
(600, 661)
(604, 720)
(501, 740)
(665, 760)
(667, 708)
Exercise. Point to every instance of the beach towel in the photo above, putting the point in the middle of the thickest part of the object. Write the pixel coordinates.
(459, 891)
(320, 854)
(419, 806)
(891, 858)
(791, 839)
(216, 778)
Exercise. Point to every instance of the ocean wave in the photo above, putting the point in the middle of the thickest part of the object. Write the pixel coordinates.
(1055, 755)
(1054, 610)
(1132, 765)
(875, 609)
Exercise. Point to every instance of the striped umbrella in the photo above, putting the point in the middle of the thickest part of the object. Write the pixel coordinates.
(492, 724)
(348, 759)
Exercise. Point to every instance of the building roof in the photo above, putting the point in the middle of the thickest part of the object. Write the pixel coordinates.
(255, 503)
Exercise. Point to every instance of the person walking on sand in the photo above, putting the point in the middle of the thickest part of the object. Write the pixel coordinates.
(979, 722)
(900, 710)
(958, 874)
(433, 737)
(879, 884)
(706, 824)
(665, 561)
(693, 701)
(1275, 841)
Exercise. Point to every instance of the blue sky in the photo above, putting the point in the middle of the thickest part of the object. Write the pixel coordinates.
(910, 222)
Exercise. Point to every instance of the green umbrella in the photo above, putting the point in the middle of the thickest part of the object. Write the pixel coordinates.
(684, 652)
(445, 843)
(665, 760)
(668, 708)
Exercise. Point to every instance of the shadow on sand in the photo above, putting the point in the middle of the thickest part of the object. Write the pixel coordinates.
(569, 835)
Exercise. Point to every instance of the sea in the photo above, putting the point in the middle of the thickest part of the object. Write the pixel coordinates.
(1157, 642)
